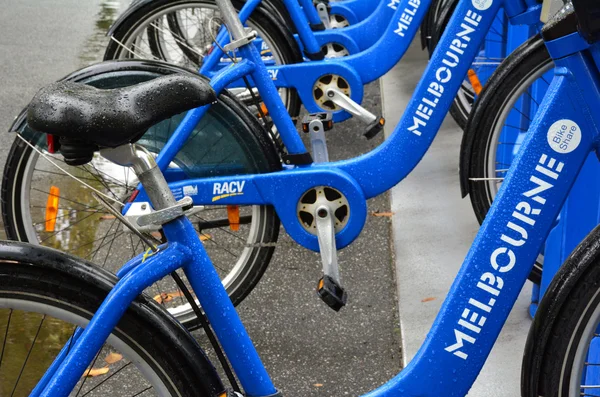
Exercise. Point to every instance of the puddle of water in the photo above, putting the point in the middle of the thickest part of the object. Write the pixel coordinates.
(18, 343)
(95, 44)
(53, 334)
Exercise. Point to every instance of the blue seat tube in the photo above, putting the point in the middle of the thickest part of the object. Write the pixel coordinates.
(221, 313)
(270, 96)
(311, 12)
(301, 22)
(211, 61)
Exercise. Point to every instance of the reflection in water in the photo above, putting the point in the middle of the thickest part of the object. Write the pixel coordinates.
(77, 206)
(95, 44)
(53, 334)
(20, 337)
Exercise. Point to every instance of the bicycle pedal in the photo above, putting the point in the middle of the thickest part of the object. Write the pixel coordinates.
(332, 293)
(326, 120)
(374, 128)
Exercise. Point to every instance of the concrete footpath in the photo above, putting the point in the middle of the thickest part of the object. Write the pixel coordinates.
(433, 229)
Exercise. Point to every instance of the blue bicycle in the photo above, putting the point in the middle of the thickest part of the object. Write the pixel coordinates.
(58, 286)
(44, 205)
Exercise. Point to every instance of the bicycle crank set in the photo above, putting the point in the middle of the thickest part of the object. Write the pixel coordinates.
(324, 211)
(333, 93)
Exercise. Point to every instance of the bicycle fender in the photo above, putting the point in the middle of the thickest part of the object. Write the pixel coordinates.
(74, 267)
(470, 132)
(584, 256)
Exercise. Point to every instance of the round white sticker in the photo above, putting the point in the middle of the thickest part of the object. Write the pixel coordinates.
(482, 4)
(564, 136)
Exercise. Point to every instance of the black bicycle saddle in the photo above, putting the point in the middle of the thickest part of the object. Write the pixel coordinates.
(90, 117)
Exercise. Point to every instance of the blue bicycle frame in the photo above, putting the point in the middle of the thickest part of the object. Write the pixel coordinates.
(561, 136)
(360, 35)
(427, 114)
(395, 37)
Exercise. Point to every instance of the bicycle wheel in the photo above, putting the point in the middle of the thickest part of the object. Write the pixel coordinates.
(562, 353)
(499, 122)
(178, 32)
(42, 205)
(147, 354)
(491, 54)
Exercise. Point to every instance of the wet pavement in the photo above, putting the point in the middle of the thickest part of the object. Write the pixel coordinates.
(308, 349)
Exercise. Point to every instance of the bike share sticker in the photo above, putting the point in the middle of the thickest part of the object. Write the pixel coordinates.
(482, 5)
(564, 136)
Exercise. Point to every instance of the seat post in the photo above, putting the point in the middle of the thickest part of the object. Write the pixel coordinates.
(147, 171)
(231, 19)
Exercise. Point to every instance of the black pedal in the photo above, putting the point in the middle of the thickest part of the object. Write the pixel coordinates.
(325, 118)
(374, 128)
(332, 293)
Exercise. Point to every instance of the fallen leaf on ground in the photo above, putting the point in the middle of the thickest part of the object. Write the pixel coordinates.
(95, 372)
(431, 298)
(113, 358)
(382, 214)
(205, 237)
(167, 296)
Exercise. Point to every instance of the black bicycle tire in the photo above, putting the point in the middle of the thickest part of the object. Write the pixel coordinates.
(272, 26)
(560, 322)
(145, 326)
(524, 62)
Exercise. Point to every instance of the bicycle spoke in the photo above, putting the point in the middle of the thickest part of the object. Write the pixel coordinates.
(517, 128)
(85, 378)
(71, 225)
(107, 378)
(5, 336)
(102, 182)
(222, 229)
(103, 244)
(63, 174)
(28, 355)
(64, 198)
(209, 238)
(62, 216)
(116, 181)
(143, 391)
(92, 242)
(108, 250)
